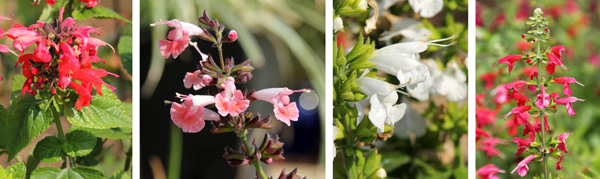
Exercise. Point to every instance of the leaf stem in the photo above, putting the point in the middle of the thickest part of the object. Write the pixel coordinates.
(61, 133)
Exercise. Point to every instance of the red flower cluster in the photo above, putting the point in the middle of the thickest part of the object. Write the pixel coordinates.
(63, 55)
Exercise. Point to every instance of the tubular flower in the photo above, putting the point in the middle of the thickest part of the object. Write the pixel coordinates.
(562, 145)
(190, 115)
(558, 165)
(518, 111)
(565, 81)
(178, 38)
(283, 109)
(488, 171)
(64, 53)
(489, 147)
(384, 111)
(522, 167)
(194, 80)
(543, 100)
(510, 60)
(231, 101)
(554, 59)
(567, 101)
(480, 133)
(522, 145)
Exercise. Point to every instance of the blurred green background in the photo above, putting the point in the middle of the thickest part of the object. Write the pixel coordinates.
(574, 24)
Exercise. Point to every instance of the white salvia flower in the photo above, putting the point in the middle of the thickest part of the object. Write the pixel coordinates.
(427, 8)
(413, 47)
(451, 83)
(338, 24)
(362, 4)
(385, 111)
(409, 28)
(422, 91)
(371, 86)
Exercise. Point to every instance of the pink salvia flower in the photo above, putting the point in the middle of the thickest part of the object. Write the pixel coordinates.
(510, 60)
(231, 101)
(567, 101)
(488, 171)
(283, 109)
(519, 110)
(565, 81)
(178, 38)
(562, 146)
(90, 3)
(522, 145)
(522, 167)
(192, 80)
(515, 85)
(554, 59)
(489, 147)
(190, 115)
(558, 165)
(543, 99)
(480, 133)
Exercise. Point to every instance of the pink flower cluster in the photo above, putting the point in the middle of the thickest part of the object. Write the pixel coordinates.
(190, 115)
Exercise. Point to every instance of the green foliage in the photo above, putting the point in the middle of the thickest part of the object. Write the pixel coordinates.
(79, 143)
(104, 112)
(125, 51)
(98, 12)
(25, 122)
(49, 150)
(16, 170)
(76, 173)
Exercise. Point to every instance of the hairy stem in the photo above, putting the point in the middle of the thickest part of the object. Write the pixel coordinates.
(541, 111)
(256, 164)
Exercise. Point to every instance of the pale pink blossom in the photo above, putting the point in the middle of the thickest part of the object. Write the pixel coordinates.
(178, 38)
(283, 109)
(190, 115)
(230, 101)
(522, 167)
(193, 80)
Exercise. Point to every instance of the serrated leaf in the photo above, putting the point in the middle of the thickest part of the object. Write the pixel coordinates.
(49, 150)
(104, 112)
(17, 86)
(125, 51)
(79, 143)
(98, 12)
(89, 173)
(51, 172)
(16, 170)
(111, 133)
(120, 174)
(25, 122)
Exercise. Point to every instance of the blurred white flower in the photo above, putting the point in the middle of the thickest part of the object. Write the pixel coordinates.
(409, 28)
(451, 83)
(371, 23)
(338, 24)
(362, 4)
(381, 173)
(427, 8)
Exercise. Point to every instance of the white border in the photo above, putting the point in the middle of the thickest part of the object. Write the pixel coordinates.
(471, 88)
(135, 19)
(328, 88)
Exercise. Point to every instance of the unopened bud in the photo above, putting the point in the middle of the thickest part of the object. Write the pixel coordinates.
(231, 37)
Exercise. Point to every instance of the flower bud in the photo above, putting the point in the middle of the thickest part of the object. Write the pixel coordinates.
(230, 37)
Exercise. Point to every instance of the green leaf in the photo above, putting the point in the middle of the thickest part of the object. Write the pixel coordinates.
(110, 133)
(17, 86)
(25, 122)
(79, 172)
(89, 173)
(125, 51)
(120, 174)
(98, 12)
(32, 163)
(104, 112)
(392, 160)
(49, 150)
(16, 170)
(3, 119)
(79, 143)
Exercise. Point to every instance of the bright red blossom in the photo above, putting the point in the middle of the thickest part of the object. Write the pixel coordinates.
(510, 60)
(565, 81)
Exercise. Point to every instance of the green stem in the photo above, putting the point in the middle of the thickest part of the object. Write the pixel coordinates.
(256, 164)
(175, 152)
(61, 133)
(541, 111)
(128, 160)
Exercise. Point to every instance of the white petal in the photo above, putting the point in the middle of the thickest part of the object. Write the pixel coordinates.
(427, 8)
(371, 86)
(377, 114)
(338, 24)
(395, 114)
